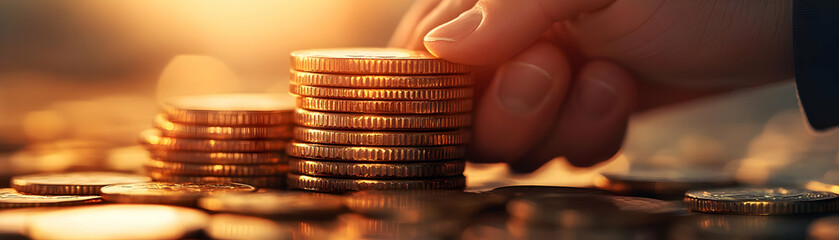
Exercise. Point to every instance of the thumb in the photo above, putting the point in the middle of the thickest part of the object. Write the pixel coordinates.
(505, 27)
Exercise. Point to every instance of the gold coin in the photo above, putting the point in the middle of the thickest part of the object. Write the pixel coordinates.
(380, 61)
(365, 138)
(374, 154)
(76, 183)
(662, 183)
(338, 185)
(118, 221)
(152, 139)
(179, 130)
(277, 181)
(380, 81)
(184, 194)
(385, 107)
(9, 198)
(230, 109)
(276, 203)
(380, 122)
(381, 94)
(377, 170)
(176, 168)
(219, 157)
(761, 201)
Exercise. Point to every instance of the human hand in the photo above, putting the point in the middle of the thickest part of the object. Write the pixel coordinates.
(560, 76)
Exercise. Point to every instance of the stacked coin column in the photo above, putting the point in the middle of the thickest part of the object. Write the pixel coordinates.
(221, 138)
(378, 119)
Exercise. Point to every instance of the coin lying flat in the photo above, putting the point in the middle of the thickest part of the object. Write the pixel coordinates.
(374, 154)
(277, 182)
(382, 61)
(9, 198)
(662, 183)
(229, 226)
(420, 205)
(230, 109)
(368, 138)
(380, 81)
(591, 211)
(175, 168)
(385, 106)
(381, 94)
(76, 183)
(380, 122)
(152, 139)
(276, 203)
(219, 157)
(761, 201)
(118, 221)
(185, 194)
(377, 170)
(338, 185)
(179, 130)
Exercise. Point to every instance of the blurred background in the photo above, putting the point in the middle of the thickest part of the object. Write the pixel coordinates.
(79, 80)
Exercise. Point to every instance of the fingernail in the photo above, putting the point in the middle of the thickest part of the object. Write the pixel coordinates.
(522, 87)
(597, 97)
(456, 29)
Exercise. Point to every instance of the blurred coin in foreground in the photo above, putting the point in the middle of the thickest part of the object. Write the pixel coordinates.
(420, 205)
(380, 61)
(153, 139)
(380, 81)
(662, 183)
(591, 211)
(9, 198)
(338, 185)
(121, 221)
(824, 228)
(761, 201)
(229, 226)
(331, 120)
(75, 183)
(230, 109)
(185, 194)
(377, 170)
(276, 203)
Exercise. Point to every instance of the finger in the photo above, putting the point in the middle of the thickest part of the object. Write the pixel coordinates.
(522, 100)
(593, 121)
(494, 31)
(444, 12)
(409, 22)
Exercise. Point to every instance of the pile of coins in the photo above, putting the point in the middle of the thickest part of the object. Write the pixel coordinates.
(62, 189)
(378, 119)
(221, 138)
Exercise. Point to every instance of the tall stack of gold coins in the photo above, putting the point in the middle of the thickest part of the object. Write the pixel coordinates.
(373, 118)
(221, 138)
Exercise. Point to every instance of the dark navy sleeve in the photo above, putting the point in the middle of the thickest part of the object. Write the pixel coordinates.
(816, 50)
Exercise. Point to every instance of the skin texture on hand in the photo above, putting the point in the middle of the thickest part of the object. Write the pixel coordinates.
(561, 78)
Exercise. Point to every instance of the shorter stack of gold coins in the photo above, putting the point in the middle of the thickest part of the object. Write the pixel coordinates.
(378, 119)
(221, 138)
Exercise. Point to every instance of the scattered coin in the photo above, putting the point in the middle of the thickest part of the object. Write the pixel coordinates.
(380, 122)
(75, 183)
(9, 198)
(176, 168)
(178, 130)
(230, 109)
(152, 139)
(337, 185)
(761, 201)
(368, 138)
(276, 203)
(377, 170)
(219, 157)
(374, 154)
(277, 181)
(385, 107)
(385, 61)
(662, 183)
(119, 221)
(185, 194)
(412, 94)
(380, 81)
